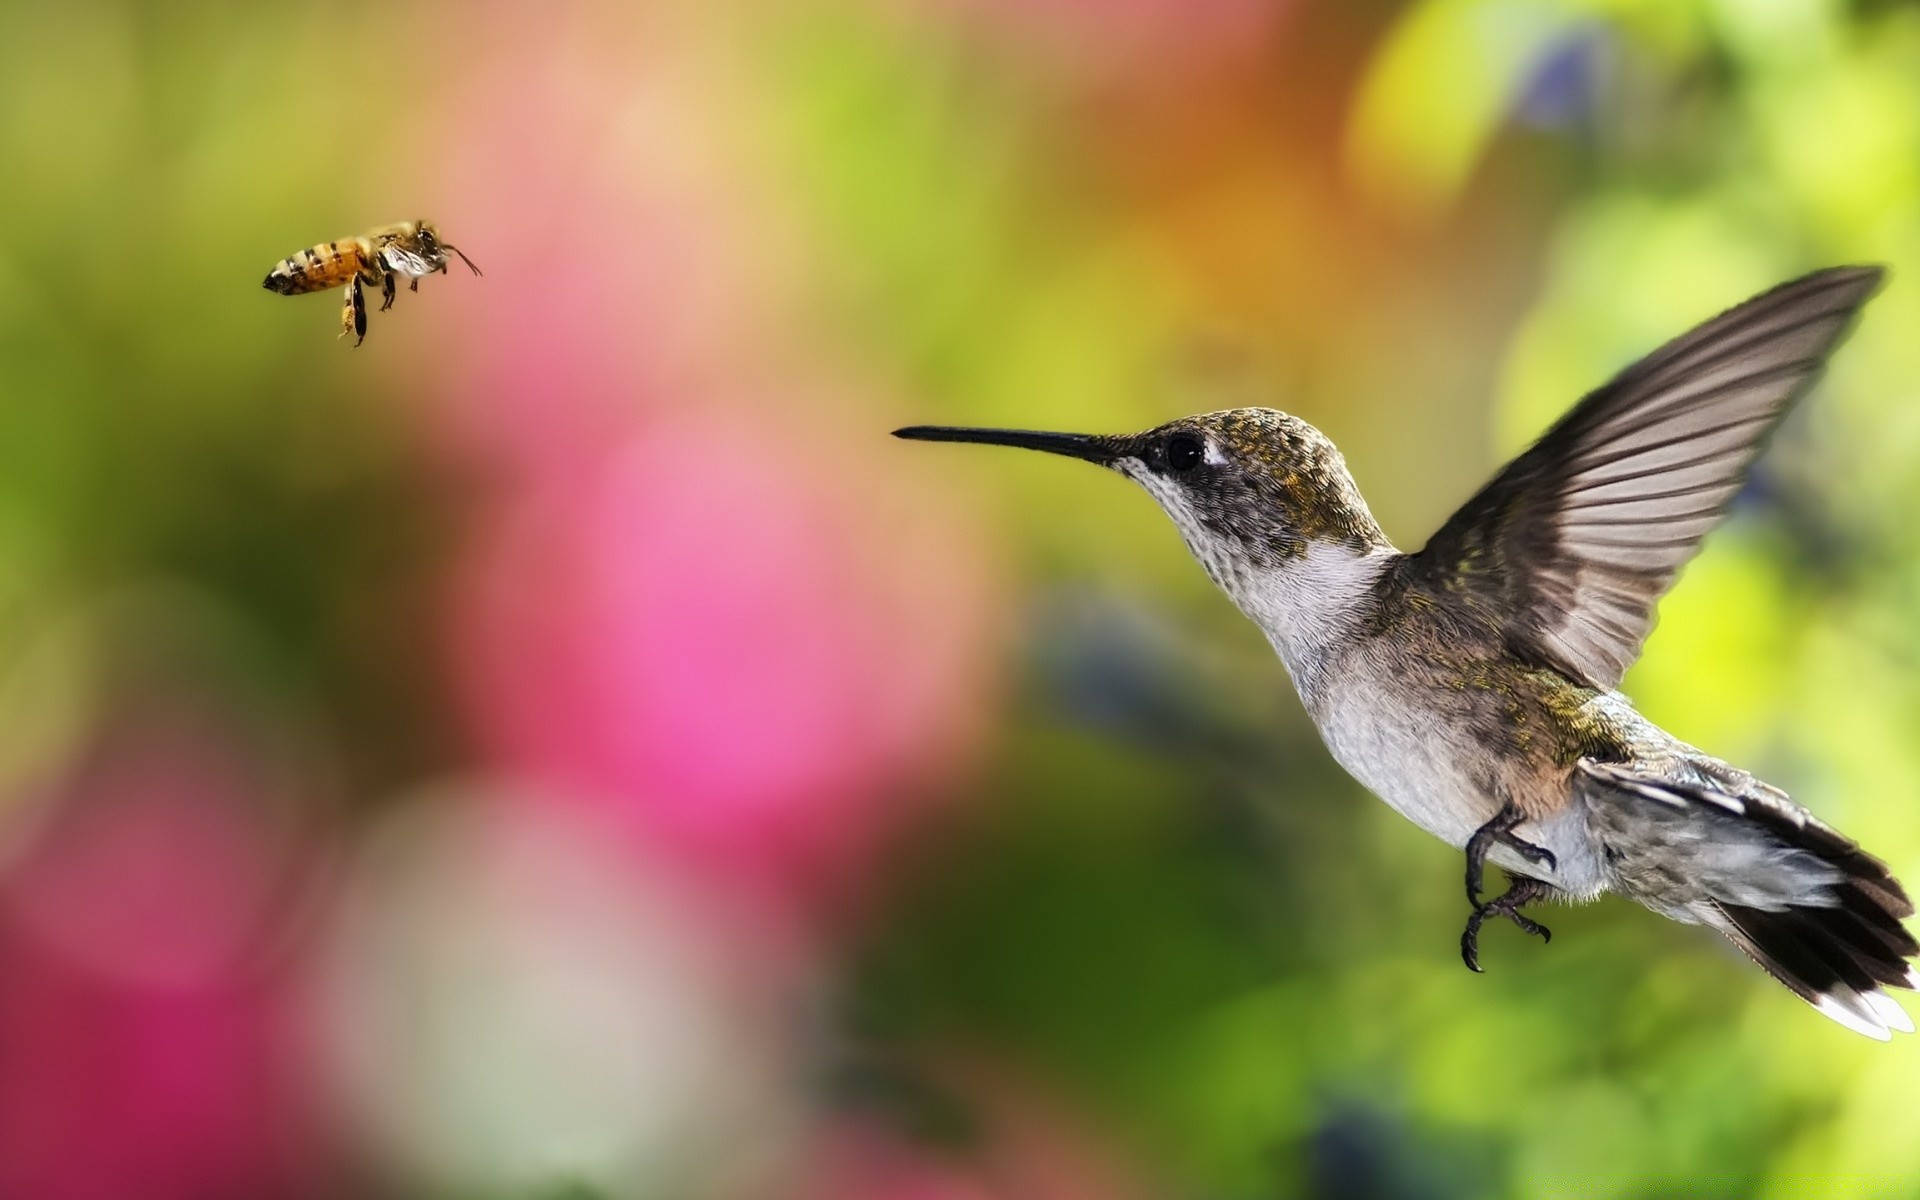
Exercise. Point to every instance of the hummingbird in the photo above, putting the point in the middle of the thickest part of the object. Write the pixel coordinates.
(1474, 685)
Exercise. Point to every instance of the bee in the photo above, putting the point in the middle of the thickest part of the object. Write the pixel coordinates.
(379, 258)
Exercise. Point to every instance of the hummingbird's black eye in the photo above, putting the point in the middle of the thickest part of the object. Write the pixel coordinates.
(1184, 452)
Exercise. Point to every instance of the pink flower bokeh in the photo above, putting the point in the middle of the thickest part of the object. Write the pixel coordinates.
(705, 632)
(111, 1089)
(698, 594)
(141, 1036)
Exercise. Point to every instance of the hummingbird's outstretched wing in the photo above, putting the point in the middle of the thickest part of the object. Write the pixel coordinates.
(1573, 543)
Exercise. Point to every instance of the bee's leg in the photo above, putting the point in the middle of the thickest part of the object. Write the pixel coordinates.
(353, 318)
(413, 285)
(386, 291)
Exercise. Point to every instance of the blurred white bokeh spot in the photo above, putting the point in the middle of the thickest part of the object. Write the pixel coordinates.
(511, 999)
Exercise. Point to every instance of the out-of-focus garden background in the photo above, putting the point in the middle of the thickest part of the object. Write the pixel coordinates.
(564, 748)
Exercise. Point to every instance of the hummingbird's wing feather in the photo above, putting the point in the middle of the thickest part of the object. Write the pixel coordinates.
(1695, 838)
(1574, 542)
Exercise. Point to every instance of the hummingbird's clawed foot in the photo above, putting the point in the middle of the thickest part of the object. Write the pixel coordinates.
(1507, 904)
(1499, 831)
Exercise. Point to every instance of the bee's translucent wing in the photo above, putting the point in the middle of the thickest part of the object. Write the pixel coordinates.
(1572, 545)
(406, 262)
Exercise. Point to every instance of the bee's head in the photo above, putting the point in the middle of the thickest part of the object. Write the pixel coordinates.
(429, 243)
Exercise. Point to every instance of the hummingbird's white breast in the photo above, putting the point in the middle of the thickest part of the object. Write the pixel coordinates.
(1389, 732)
(1388, 735)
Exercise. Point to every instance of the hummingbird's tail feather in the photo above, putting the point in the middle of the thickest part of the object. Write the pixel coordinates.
(1840, 952)
(1836, 959)
(1700, 841)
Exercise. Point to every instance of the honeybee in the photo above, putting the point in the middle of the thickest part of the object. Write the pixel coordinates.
(380, 257)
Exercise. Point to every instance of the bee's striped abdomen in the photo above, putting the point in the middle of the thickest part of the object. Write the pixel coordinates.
(318, 268)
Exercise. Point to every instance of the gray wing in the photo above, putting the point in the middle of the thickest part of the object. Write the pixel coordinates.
(1570, 547)
(1698, 840)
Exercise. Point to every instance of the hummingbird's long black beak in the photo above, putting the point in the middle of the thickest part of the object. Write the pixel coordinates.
(1091, 447)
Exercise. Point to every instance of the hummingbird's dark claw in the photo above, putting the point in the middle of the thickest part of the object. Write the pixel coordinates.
(1499, 830)
(1523, 891)
(1532, 853)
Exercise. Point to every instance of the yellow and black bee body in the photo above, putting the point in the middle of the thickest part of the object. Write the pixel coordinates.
(381, 258)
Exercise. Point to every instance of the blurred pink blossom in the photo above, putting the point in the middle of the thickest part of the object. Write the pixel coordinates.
(111, 1090)
(634, 235)
(139, 1028)
(750, 643)
(154, 860)
(692, 599)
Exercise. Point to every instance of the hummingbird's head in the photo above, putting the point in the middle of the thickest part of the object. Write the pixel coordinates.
(1247, 487)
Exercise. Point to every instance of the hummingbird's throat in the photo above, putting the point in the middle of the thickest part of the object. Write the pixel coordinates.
(1306, 593)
